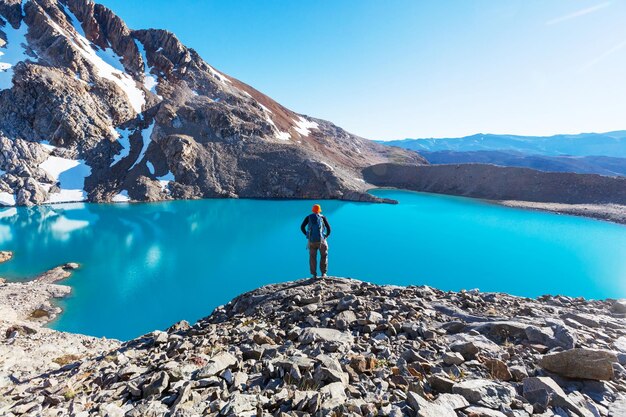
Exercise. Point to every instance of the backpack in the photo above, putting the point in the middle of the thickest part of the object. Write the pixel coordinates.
(316, 228)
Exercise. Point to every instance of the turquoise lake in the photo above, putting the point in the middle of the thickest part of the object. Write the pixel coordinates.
(146, 266)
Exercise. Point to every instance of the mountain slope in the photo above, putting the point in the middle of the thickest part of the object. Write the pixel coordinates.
(92, 110)
(602, 165)
(612, 144)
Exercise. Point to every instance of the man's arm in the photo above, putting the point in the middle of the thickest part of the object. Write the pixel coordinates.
(303, 225)
(327, 226)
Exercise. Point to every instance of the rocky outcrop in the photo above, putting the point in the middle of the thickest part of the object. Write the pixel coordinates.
(579, 194)
(345, 347)
(27, 348)
(5, 256)
(601, 165)
(501, 183)
(92, 109)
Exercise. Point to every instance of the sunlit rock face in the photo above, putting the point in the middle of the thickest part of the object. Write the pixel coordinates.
(92, 110)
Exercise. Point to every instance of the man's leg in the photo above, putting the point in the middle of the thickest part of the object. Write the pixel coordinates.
(324, 257)
(313, 257)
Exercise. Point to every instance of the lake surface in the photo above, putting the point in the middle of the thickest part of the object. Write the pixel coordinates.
(146, 266)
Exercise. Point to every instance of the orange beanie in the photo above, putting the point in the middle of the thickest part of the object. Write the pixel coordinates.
(317, 208)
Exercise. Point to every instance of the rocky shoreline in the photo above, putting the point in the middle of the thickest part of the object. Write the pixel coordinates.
(586, 195)
(614, 213)
(27, 348)
(337, 347)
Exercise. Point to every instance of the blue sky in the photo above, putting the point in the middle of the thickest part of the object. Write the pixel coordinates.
(408, 68)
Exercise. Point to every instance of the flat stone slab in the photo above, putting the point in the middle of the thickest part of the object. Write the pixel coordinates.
(581, 363)
(321, 334)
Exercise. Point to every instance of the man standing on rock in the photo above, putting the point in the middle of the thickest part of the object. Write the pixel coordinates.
(317, 232)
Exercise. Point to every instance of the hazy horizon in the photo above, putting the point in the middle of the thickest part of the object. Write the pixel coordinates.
(408, 69)
(509, 134)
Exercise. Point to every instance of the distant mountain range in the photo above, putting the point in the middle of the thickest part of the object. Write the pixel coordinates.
(586, 153)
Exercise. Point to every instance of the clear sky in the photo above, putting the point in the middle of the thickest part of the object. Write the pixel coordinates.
(391, 69)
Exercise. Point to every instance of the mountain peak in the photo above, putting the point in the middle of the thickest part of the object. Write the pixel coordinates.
(132, 107)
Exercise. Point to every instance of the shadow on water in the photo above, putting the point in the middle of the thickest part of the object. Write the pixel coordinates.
(145, 266)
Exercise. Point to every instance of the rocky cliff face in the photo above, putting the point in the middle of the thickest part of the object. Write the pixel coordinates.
(340, 347)
(92, 110)
(501, 183)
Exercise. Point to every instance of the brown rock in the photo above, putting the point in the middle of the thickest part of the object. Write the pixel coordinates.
(497, 369)
(581, 363)
(57, 274)
(263, 339)
(5, 256)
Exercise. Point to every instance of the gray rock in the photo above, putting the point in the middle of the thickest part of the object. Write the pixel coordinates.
(453, 358)
(518, 372)
(454, 401)
(483, 412)
(344, 319)
(155, 386)
(533, 390)
(619, 307)
(424, 408)
(239, 404)
(581, 363)
(329, 370)
(485, 392)
(618, 408)
(470, 345)
(316, 334)
(217, 364)
(441, 383)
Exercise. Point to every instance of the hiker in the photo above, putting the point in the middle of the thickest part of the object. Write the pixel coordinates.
(317, 233)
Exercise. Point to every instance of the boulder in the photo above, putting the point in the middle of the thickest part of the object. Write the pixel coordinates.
(329, 370)
(544, 391)
(483, 412)
(619, 307)
(470, 345)
(5, 256)
(344, 319)
(453, 358)
(497, 369)
(424, 408)
(217, 364)
(581, 363)
(440, 383)
(454, 401)
(316, 334)
(485, 392)
(155, 386)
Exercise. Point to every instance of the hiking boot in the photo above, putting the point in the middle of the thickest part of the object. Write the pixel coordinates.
(324, 275)
(313, 276)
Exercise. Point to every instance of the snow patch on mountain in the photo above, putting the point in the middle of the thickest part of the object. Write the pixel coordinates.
(104, 61)
(219, 76)
(7, 199)
(279, 133)
(304, 126)
(149, 80)
(165, 180)
(124, 140)
(70, 175)
(145, 135)
(122, 197)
